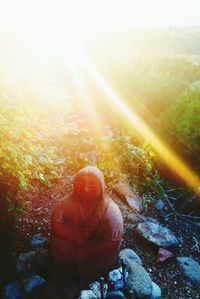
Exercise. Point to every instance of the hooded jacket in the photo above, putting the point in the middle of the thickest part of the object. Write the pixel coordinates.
(85, 240)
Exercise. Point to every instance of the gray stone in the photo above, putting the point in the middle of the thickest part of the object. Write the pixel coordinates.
(159, 205)
(95, 288)
(139, 281)
(26, 264)
(156, 291)
(38, 241)
(13, 291)
(116, 279)
(33, 284)
(131, 255)
(190, 268)
(87, 294)
(156, 233)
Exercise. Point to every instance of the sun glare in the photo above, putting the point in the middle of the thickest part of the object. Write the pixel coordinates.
(56, 31)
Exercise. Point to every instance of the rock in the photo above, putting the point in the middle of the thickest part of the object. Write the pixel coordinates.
(131, 255)
(33, 284)
(156, 233)
(115, 295)
(95, 287)
(87, 294)
(159, 205)
(164, 255)
(116, 279)
(156, 291)
(26, 264)
(190, 268)
(124, 192)
(38, 241)
(139, 281)
(13, 291)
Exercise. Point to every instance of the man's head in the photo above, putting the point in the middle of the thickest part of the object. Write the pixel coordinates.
(89, 183)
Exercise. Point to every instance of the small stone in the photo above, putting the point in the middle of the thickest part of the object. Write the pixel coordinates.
(33, 284)
(159, 205)
(115, 275)
(95, 287)
(13, 291)
(38, 241)
(156, 291)
(26, 264)
(87, 294)
(131, 255)
(190, 268)
(116, 279)
(164, 255)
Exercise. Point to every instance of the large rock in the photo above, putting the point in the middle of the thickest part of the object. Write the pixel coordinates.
(154, 232)
(124, 191)
(130, 255)
(190, 268)
(26, 264)
(139, 281)
(13, 291)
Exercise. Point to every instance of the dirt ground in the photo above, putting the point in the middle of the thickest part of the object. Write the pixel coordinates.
(36, 219)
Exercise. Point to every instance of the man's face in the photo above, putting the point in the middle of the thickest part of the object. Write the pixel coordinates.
(87, 187)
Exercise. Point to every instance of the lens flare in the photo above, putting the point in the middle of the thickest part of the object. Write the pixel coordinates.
(170, 158)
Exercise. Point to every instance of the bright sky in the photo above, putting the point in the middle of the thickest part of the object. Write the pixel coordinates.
(47, 24)
(88, 16)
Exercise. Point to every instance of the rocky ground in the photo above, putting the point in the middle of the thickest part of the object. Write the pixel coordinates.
(36, 219)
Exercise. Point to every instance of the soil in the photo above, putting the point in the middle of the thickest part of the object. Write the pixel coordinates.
(36, 219)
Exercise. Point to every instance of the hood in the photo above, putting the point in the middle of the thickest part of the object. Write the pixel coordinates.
(96, 172)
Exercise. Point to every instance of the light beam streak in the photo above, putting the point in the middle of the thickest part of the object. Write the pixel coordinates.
(168, 156)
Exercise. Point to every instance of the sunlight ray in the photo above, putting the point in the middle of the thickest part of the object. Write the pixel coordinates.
(89, 108)
(169, 157)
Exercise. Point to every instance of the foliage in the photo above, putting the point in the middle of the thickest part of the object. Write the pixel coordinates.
(183, 119)
(24, 156)
(121, 159)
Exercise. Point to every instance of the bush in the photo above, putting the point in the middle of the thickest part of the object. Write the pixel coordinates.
(183, 121)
